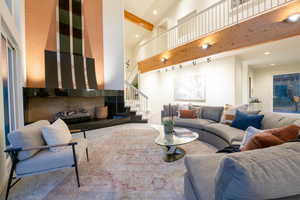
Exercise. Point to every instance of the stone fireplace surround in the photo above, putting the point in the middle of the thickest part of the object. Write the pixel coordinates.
(44, 103)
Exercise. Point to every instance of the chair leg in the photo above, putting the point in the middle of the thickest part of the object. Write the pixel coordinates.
(10, 180)
(87, 154)
(77, 175)
(76, 165)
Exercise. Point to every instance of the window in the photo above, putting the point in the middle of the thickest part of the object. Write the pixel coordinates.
(8, 78)
(286, 89)
(9, 4)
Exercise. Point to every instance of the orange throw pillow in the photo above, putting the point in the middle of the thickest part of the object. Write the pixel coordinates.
(272, 137)
(188, 114)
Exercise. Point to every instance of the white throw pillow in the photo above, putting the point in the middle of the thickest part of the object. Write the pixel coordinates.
(249, 133)
(57, 133)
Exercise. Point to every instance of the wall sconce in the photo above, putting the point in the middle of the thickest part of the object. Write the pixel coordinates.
(293, 18)
(205, 46)
(163, 59)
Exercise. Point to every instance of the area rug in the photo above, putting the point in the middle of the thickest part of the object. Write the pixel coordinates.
(127, 164)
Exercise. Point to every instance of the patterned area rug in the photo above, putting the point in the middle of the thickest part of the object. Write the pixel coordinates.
(127, 164)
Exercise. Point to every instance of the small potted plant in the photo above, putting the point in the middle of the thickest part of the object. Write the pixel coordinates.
(169, 122)
(168, 126)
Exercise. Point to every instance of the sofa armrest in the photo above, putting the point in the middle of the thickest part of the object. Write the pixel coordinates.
(260, 174)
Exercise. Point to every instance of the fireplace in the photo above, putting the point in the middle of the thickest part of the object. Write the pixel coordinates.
(75, 106)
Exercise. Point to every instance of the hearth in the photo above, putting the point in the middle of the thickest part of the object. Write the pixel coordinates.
(74, 116)
(74, 106)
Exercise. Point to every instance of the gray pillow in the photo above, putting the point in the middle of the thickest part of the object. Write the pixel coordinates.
(171, 110)
(28, 136)
(212, 113)
(269, 173)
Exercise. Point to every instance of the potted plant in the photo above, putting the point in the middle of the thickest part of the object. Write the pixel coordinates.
(168, 126)
(169, 122)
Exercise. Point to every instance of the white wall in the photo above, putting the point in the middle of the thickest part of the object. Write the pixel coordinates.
(219, 78)
(263, 82)
(183, 8)
(113, 29)
(12, 26)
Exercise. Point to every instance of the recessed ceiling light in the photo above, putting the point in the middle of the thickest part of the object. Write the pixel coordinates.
(293, 18)
(267, 53)
(205, 46)
(163, 59)
(272, 64)
(154, 12)
(137, 36)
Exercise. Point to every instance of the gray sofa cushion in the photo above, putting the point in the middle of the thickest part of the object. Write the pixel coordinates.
(46, 160)
(226, 132)
(201, 171)
(212, 113)
(275, 120)
(28, 136)
(192, 123)
(269, 173)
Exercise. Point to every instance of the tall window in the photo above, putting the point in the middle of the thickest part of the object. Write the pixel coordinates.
(9, 4)
(8, 81)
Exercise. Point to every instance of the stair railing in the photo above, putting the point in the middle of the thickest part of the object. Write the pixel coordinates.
(220, 15)
(135, 98)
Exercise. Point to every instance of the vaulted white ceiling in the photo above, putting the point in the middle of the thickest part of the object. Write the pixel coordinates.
(145, 10)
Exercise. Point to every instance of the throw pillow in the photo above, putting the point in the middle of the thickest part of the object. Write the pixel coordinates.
(188, 114)
(230, 112)
(198, 110)
(57, 133)
(171, 110)
(243, 121)
(212, 113)
(272, 137)
(249, 133)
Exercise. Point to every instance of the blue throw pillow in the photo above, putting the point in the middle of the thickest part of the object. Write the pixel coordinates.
(243, 121)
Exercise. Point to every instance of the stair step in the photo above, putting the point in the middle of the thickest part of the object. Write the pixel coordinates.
(143, 121)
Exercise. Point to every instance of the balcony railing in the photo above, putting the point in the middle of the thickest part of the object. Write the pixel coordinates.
(221, 15)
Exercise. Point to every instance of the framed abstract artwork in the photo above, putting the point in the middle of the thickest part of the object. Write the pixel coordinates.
(286, 93)
(189, 88)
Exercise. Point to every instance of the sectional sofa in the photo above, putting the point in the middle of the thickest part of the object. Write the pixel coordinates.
(271, 173)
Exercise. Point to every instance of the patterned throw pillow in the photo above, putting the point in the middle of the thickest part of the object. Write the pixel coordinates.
(230, 112)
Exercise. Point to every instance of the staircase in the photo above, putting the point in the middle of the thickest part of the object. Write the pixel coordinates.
(136, 103)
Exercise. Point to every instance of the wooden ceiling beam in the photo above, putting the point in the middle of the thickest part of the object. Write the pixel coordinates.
(259, 30)
(138, 21)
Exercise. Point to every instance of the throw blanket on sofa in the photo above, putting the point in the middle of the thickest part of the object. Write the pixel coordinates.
(236, 148)
(230, 149)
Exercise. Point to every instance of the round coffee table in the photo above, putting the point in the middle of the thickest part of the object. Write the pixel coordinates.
(171, 142)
